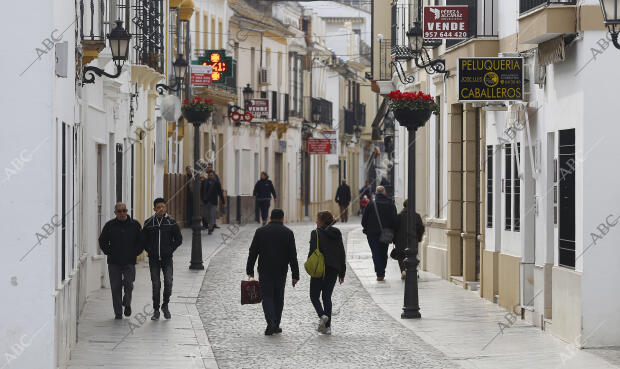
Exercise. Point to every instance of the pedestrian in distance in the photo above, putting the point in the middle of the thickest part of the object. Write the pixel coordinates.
(210, 190)
(122, 241)
(217, 178)
(162, 237)
(203, 217)
(365, 194)
(343, 199)
(400, 237)
(379, 214)
(263, 190)
(274, 246)
(329, 241)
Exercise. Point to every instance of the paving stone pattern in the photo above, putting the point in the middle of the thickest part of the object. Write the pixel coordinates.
(363, 335)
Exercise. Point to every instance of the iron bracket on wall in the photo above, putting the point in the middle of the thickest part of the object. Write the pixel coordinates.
(404, 79)
(99, 72)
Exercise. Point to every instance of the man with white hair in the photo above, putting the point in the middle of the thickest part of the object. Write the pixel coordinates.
(379, 216)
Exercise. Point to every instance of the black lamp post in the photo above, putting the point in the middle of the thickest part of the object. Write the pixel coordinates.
(611, 15)
(119, 45)
(179, 70)
(411, 306)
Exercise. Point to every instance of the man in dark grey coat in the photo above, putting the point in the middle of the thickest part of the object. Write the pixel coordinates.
(373, 226)
(121, 240)
(274, 246)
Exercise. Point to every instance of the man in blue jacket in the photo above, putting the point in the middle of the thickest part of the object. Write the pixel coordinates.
(162, 237)
(263, 189)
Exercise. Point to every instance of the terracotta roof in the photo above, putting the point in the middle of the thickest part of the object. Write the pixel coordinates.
(245, 11)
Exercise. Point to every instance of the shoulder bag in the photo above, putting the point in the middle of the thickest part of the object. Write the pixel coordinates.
(315, 265)
(387, 234)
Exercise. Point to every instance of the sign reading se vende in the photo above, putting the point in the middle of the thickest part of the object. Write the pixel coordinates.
(446, 22)
(201, 75)
(490, 79)
(258, 107)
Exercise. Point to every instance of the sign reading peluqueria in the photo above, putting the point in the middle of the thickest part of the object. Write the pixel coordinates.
(490, 79)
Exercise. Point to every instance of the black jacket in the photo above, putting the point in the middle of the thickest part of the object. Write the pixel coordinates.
(122, 241)
(343, 195)
(387, 213)
(332, 248)
(274, 246)
(210, 190)
(400, 238)
(263, 189)
(161, 236)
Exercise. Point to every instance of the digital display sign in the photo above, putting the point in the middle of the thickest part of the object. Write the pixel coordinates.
(221, 64)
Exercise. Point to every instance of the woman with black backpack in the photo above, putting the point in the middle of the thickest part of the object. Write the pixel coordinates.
(400, 238)
(328, 239)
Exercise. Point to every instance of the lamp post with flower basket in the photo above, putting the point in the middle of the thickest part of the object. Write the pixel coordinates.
(412, 110)
(196, 111)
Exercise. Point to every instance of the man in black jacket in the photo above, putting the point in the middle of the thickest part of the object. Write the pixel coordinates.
(263, 189)
(373, 226)
(343, 198)
(210, 190)
(121, 240)
(162, 237)
(274, 246)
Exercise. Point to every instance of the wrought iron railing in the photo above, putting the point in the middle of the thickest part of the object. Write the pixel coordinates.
(349, 122)
(482, 19)
(148, 34)
(384, 70)
(527, 5)
(322, 108)
(359, 113)
(92, 20)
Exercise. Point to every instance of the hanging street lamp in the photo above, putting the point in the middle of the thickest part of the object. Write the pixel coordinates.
(248, 94)
(119, 45)
(611, 16)
(179, 68)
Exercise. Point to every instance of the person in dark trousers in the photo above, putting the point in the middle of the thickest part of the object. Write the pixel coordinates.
(189, 174)
(210, 190)
(400, 238)
(386, 209)
(217, 178)
(162, 236)
(343, 198)
(274, 246)
(263, 190)
(331, 245)
(121, 240)
(201, 211)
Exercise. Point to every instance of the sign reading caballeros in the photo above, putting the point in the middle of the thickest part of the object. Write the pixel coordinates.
(490, 79)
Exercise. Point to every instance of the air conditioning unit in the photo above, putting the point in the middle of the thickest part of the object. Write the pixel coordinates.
(264, 76)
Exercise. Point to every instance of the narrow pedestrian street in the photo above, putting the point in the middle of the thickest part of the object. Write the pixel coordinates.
(211, 329)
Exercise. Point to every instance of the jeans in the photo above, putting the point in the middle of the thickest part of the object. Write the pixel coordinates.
(210, 213)
(264, 204)
(379, 255)
(323, 286)
(121, 277)
(156, 267)
(272, 291)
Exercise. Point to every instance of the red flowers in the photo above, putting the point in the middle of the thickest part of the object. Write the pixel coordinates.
(412, 101)
(397, 95)
(197, 104)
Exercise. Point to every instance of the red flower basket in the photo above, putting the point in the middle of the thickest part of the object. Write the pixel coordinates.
(412, 109)
(197, 110)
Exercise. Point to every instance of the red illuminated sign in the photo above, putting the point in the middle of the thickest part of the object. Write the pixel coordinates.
(219, 65)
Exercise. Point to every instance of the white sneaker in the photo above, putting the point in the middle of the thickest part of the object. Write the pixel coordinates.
(328, 331)
(403, 274)
(322, 323)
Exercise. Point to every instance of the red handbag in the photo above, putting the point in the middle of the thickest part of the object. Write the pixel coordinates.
(250, 292)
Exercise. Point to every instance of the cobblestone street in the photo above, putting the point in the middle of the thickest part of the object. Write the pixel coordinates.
(363, 335)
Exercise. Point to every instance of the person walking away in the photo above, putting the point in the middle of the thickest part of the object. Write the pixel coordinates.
(162, 237)
(121, 240)
(373, 225)
(274, 246)
(400, 238)
(343, 198)
(210, 190)
(365, 194)
(189, 175)
(329, 241)
(263, 190)
(203, 217)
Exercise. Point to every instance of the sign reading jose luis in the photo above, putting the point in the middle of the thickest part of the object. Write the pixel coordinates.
(446, 22)
(490, 79)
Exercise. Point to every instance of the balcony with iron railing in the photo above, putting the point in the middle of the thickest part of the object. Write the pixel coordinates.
(527, 5)
(350, 123)
(92, 28)
(147, 29)
(359, 112)
(321, 111)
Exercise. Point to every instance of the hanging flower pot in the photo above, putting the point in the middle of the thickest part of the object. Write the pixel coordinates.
(412, 109)
(197, 110)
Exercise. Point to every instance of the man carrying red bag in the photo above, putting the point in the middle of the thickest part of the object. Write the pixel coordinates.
(274, 246)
